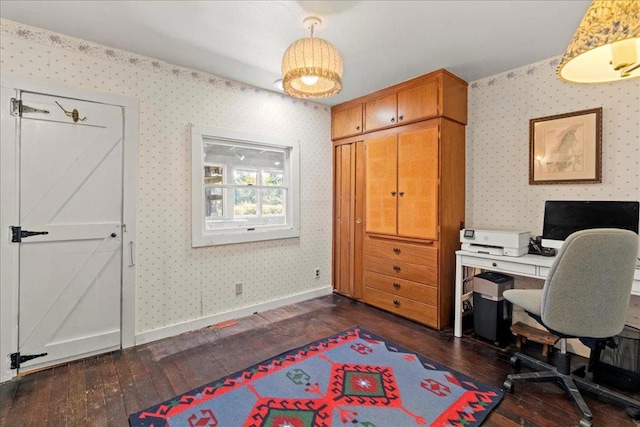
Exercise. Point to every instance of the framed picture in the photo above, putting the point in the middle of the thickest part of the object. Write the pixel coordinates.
(566, 148)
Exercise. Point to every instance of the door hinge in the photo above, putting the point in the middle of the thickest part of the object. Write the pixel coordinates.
(17, 233)
(17, 358)
(18, 108)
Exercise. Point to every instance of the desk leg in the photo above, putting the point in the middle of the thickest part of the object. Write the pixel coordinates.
(457, 319)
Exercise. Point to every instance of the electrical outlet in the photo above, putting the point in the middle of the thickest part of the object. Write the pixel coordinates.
(238, 288)
(316, 273)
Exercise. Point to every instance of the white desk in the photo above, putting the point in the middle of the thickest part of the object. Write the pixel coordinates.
(535, 266)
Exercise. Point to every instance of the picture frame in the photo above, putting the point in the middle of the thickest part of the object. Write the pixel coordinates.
(566, 148)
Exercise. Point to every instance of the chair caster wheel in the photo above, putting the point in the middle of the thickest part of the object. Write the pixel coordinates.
(633, 412)
(515, 363)
(585, 422)
(581, 372)
(507, 386)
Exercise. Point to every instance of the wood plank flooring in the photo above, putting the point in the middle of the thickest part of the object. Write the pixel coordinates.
(104, 390)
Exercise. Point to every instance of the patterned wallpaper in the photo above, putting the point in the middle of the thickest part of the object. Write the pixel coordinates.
(177, 283)
(498, 192)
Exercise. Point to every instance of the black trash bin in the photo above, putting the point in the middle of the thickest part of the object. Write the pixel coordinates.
(491, 312)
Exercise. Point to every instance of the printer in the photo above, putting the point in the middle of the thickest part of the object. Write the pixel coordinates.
(495, 242)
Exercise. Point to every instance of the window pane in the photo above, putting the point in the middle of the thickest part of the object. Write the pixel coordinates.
(272, 177)
(273, 202)
(245, 201)
(245, 176)
(212, 174)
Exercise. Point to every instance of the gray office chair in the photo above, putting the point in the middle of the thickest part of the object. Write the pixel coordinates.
(586, 296)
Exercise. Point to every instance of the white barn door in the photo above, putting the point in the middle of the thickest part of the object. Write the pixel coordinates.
(70, 187)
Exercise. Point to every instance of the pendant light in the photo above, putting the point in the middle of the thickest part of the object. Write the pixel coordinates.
(311, 67)
(606, 45)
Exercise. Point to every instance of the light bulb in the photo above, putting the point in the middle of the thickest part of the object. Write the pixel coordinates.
(309, 80)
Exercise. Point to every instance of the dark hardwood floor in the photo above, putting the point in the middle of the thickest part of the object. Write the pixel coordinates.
(104, 390)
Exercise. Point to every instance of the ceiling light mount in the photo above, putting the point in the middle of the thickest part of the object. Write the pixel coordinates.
(311, 22)
(311, 67)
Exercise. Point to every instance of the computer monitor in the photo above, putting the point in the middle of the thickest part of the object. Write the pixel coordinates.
(562, 218)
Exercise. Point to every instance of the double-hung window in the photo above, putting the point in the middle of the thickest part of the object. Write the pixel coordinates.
(244, 187)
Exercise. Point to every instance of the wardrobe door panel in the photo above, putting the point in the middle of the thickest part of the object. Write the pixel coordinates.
(418, 184)
(381, 192)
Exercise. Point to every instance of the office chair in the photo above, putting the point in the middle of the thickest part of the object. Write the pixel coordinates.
(586, 296)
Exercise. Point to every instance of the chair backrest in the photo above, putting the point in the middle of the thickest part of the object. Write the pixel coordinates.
(587, 291)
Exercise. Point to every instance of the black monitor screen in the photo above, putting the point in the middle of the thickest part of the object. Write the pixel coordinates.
(562, 218)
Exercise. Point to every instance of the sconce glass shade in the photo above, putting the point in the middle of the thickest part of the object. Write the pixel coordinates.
(606, 45)
(311, 68)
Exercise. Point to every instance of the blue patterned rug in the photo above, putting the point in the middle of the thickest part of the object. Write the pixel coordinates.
(353, 378)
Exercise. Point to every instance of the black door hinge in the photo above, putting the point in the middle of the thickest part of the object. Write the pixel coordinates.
(17, 233)
(17, 359)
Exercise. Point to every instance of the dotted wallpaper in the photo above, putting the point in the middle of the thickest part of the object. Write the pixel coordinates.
(498, 193)
(175, 282)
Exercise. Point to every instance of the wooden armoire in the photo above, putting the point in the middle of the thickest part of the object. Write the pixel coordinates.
(399, 173)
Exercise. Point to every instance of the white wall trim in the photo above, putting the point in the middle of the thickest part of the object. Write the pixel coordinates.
(10, 86)
(192, 325)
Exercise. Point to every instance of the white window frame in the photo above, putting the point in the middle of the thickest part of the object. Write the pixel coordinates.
(199, 235)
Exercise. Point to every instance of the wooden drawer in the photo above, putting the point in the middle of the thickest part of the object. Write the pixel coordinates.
(405, 252)
(490, 264)
(401, 270)
(404, 307)
(403, 288)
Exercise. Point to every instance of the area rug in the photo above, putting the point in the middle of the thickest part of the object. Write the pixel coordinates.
(353, 378)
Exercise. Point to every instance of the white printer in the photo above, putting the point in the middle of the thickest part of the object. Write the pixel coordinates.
(495, 242)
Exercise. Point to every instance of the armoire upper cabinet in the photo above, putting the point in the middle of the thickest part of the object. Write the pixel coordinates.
(437, 94)
(346, 121)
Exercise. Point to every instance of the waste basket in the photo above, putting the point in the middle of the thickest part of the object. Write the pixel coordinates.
(491, 312)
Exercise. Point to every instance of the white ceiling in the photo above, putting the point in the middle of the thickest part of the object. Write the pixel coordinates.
(381, 42)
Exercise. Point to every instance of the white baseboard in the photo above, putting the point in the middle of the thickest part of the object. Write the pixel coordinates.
(192, 325)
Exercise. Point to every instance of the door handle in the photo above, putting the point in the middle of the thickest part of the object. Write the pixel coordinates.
(131, 263)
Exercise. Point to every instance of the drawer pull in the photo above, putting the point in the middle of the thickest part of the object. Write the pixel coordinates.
(397, 268)
(397, 250)
(396, 285)
(494, 264)
(393, 194)
(396, 303)
(401, 193)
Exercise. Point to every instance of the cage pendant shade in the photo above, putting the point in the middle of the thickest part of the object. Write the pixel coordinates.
(606, 45)
(311, 68)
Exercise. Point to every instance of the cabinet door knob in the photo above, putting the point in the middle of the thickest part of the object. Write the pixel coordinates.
(401, 118)
(358, 220)
(397, 268)
(396, 303)
(357, 127)
(396, 285)
(397, 250)
(393, 194)
(494, 264)
(393, 119)
(401, 193)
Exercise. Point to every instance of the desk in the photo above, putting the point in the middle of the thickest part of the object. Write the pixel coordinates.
(535, 266)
